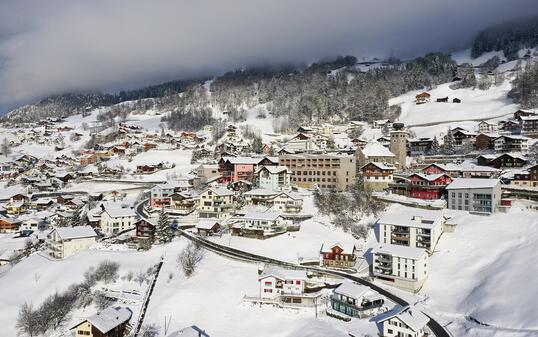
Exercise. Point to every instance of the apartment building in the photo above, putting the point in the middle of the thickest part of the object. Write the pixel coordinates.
(511, 143)
(377, 176)
(400, 266)
(117, 220)
(326, 171)
(474, 195)
(418, 228)
(529, 126)
(216, 203)
(404, 321)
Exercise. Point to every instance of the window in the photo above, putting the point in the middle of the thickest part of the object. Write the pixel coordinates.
(298, 282)
(267, 290)
(268, 283)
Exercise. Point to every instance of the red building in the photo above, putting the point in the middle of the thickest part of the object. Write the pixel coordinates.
(428, 186)
(338, 255)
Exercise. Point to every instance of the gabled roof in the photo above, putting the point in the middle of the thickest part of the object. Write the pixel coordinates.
(412, 317)
(191, 331)
(375, 149)
(78, 232)
(283, 274)
(347, 248)
(275, 169)
(109, 318)
(220, 191)
(120, 212)
(357, 291)
(207, 223)
(381, 166)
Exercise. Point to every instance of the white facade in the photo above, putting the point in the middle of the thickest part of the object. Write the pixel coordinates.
(402, 267)
(275, 178)
(66, 241)
(117, 220)
(474, 195)
(418, 228)
(405, 321)
(487, 127)
(216, 203)
(277, 282)
(511, 144)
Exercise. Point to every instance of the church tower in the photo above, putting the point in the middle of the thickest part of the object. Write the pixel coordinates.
(398, 144)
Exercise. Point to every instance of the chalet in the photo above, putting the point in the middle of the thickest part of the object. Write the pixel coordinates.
(509, 160)
(388, 269)
(463, 136)
(9, 225)
(183, 203)
(146, 169)
(422, 98)
(301, 142)
(240, 185)
(456, 100)
(260, 196)
(215, 203)
(338, 255)
(378, 124)
(66, 241)
(384, 140)
(487, 127)
(449, 169)
(420, 146)
(358, 143)
(374, 152)
(145, 233)
(285, 286)
(16, 207)
(442, 100)
(377, 176)
(523, 113)
(511, 143)
(471, 170)
(526, 178)
(529, 126)
(356, 300)
(417, 228)
(110, 322)
(404, 321)
(305, 129)
(208, 227)
(508, 125)
(88, 159)
(149, 146)
(118, 150)
(485, 141)
(428, 186)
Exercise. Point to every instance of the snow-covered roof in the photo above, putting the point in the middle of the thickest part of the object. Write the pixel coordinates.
(243, 160)
(221, 191)
(191, 331)
(382, 166)
(261, 191)
(207, 223)
(283, 274)
(110, 318)
(399, 251)
(412, 317)
(78, 232)
(357, 291)
(252, 214)
(465, 183)
(418, 218)
(347, 248)
(375, 149)
(429, 177)
(120, 212)
(275, 169)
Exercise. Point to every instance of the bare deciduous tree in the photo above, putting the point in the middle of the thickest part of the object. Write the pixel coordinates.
(190, 257)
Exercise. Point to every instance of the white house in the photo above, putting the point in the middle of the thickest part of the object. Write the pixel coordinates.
(300, 142)
(402, 267)
(404, 321)
(275, 178)
(487, 127)
(414, 228)
(285, 286)
(117, 220)
(66, 241)
(215, 203)
(474, 195)
(111, 321)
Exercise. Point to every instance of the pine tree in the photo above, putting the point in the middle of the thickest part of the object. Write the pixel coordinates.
(436, 148)
(162, 231)
(449, 146)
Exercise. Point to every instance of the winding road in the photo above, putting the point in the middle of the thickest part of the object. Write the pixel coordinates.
(437, 329)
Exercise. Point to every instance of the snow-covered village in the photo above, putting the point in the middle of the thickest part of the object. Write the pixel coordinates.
(352, 196)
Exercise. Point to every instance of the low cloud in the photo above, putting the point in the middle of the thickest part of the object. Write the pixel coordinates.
(50, 47)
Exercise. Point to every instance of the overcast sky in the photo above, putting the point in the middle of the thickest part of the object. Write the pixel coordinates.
(49, 47)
